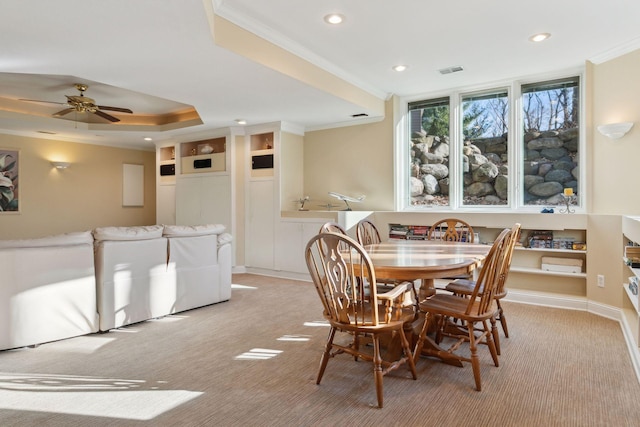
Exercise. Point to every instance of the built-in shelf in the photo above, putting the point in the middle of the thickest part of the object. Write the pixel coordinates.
(566, 251)
(207, 155)
(262, 155)
(632, 298)
(527, 270)
(167, 165)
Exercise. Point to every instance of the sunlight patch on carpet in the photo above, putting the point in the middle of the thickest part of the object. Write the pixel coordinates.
(316, 323)
(110, 398)
(258, 354)
(295, 338)
(236, 286)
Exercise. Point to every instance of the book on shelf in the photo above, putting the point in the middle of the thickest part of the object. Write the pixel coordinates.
(418, 232)
(398, 231)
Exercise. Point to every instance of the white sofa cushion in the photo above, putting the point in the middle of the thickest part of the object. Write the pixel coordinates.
(192, 230)
(128, 233)
(134, 281)
(48, 292)
(69, 239)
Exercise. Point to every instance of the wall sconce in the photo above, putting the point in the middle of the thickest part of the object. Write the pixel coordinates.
(615, 130)
(60, 165)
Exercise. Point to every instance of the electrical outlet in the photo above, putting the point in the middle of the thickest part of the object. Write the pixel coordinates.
(600, 280)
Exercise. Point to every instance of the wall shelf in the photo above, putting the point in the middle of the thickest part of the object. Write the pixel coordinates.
(528, 270)
(632, 298)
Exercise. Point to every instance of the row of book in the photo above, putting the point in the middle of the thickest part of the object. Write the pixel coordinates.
(544, 239)
(415, 232)
(408, 232)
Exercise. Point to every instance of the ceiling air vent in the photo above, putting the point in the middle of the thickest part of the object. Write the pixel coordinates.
(450, 70)
(360, 115)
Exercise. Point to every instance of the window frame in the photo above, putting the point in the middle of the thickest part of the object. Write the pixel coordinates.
(515, 151)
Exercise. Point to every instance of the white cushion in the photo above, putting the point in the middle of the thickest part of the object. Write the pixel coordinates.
(192, 230)
(76, 238)
(224, 238)
(128, 233)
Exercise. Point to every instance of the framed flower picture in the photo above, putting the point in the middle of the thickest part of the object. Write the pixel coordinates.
(9, 185)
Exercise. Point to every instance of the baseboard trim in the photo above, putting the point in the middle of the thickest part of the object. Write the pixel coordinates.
(280, 274)
(548, 300)
(633, 349)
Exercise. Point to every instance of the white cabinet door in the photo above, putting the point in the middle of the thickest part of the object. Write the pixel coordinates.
(204, 200)
(260, 224)
(291, 242)
(289, 254)
(166, 204)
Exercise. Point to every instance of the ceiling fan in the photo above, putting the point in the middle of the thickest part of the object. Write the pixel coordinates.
(84, 104)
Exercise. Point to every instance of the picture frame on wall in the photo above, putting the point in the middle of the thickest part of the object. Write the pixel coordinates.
(9, 181)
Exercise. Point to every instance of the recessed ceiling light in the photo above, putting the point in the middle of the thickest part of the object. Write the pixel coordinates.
(334, 18)
(148, 139)
(539, 37)
(241, 121)
(400, 68)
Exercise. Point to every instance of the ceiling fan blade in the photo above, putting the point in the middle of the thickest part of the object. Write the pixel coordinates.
(45, 102)
(106, 116)
(63, 112)
(121, 110)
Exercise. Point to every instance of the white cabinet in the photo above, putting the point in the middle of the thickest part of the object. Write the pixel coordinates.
(292, 240)
(204, 200)
(260, 224)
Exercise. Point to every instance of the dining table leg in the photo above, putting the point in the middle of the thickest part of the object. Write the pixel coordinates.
(429, 346)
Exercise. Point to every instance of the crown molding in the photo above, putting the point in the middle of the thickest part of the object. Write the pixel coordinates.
(617, 51)
(224, 10)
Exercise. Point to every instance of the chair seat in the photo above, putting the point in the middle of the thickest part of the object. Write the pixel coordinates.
(461, 286)
(451, 305)
(465, 287)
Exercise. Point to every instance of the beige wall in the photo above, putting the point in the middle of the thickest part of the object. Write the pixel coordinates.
(351, 160)
(616, 98)
(86, 195)
(291, 172)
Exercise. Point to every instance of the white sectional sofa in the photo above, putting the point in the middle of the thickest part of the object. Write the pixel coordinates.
(148, 272)
(47, 289)
(78, 283)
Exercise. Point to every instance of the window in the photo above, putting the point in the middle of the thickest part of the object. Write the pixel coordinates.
(477, 150)
(550, 114)
(429, 180)
(485, 125)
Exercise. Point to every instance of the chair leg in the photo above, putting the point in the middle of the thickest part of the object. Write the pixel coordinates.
(356, 344)
(475, 362)
(326, 355)
(503, 320)
(377, 369)
(407, 354)
(496, 335)
(490, 343)
(421, 337)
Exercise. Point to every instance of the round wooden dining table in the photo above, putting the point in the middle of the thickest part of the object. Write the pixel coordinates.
(425, 260)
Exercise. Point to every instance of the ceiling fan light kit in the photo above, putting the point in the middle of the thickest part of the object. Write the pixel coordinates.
(84, 104)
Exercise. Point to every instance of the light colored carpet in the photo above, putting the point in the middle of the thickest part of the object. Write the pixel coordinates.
(252, 361)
